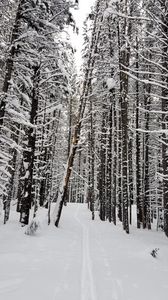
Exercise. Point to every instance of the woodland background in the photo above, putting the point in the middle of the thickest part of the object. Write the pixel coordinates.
(107, 128)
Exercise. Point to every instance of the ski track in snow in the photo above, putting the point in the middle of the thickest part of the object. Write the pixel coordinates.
(81, 260)
(87, 282)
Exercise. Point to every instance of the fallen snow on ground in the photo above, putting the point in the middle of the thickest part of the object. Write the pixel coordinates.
(82, 260)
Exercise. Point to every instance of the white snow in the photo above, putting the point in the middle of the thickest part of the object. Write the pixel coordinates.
(110, 83)
(82, 260)
(108, 11)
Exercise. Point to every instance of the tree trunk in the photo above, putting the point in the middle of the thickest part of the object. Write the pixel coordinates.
(138, 149)
(164, 116)
(10, 60)
(77, 129)
(28, 155)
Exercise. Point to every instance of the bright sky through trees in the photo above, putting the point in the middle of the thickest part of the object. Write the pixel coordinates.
(79, 16)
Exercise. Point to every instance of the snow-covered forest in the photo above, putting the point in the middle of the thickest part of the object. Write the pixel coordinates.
(91, 145)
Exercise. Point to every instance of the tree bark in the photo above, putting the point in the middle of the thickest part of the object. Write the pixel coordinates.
(28, 155)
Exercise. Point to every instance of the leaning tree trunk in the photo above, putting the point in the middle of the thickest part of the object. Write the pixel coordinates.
(64, 188)
(77, 129)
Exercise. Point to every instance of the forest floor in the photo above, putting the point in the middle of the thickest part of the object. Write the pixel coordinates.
(82, 260)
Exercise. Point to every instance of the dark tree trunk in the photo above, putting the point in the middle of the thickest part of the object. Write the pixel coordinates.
(138, 148)
(92, 151)
(77, 129)
(102, 174)
(146, 206)
(111, 208)
(124, 55)
(131, 187)
(10, 60)
(164, 116)
(28, 155)
(119, 174)
(114, 166)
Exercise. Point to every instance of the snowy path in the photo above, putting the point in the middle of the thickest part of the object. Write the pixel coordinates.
(87, 281)
(82, 260)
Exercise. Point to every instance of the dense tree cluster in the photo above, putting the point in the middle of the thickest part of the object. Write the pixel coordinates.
(127, 108)
(35, 87)
(116, 141)
(124, 97)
